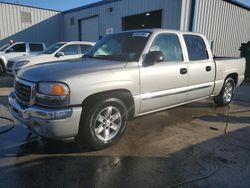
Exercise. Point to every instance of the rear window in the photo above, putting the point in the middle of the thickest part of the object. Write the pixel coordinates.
(85, 48)
(196, 48)
(36, 47)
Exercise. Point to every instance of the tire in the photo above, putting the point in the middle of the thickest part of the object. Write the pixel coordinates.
(2, 70)
(102, 124)
(226, 95)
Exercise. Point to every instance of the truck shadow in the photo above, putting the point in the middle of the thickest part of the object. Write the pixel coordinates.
(104, 170)
(6, 81)
(223, 118)
(4, 100)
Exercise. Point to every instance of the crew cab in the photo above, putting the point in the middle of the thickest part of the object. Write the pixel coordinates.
(16, 49)
(124, 75)
(61, 51)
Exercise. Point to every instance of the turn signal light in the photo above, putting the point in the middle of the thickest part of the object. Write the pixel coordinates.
(58, 89)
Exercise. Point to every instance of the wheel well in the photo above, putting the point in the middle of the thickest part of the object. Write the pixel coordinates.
(234, 76)
(122, 94)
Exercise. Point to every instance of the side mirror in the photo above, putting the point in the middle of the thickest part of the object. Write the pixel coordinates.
(59, 54)
(9, 50)
(153, 57)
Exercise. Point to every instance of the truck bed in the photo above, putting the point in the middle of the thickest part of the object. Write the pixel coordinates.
(224, 67)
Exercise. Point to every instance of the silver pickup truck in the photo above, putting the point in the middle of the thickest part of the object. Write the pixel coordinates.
(125, 75)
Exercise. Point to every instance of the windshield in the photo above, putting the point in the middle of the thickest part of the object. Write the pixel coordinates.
(120, 47)
(53, 48)
(4, 47)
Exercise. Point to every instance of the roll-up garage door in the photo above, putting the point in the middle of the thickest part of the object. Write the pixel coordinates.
(90, 29)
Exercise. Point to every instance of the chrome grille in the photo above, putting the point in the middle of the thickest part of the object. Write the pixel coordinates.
(23, 92)
(10, 64)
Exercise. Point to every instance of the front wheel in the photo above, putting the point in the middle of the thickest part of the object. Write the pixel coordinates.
(103, 124)
(226, 95)
(2, 71)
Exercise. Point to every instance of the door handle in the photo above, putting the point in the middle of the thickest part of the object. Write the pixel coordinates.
(208, 68)
(183, 71)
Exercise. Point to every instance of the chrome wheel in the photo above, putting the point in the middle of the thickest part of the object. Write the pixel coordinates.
(107, 123)
(228, 92)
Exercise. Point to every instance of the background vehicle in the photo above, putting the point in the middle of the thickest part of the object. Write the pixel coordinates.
(124, 75)
(58, 52)
(17, 49)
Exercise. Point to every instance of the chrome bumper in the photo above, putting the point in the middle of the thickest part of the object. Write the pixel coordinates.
(59, 124)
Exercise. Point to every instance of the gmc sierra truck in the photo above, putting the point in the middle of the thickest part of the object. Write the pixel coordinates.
(124, 75)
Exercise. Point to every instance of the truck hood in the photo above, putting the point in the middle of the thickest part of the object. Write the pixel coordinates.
(60, 71)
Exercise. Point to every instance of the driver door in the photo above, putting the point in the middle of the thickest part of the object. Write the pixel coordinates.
(164, 84)
(71, 51)
(16, 50)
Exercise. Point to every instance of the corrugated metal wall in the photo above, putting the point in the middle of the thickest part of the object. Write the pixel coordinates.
(186, 15)
(171, 10)
(44, 25)
(225, 23)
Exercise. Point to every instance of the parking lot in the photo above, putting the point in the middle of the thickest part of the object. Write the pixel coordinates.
(199, 143)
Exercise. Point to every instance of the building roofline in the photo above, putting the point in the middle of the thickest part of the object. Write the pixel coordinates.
(1, 2)
(96, 4)
(104, 2)
(239, 4)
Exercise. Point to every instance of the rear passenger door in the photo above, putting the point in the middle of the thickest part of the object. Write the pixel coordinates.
(35, 48)
(85, 48)
(71, 51)
(200, 66)
(164, 84)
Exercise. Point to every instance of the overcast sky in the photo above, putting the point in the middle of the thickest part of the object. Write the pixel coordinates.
(66, 4)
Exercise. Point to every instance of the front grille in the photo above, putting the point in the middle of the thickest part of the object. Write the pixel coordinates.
(10, 64)
(23, 92)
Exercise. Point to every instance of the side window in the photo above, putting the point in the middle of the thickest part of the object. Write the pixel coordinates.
(36, 47)
(70, 50)
(196, 48)
(113, 46)
(85, 48)
(19, 48)
(169, 45)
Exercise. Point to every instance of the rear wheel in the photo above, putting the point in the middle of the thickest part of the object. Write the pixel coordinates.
(102, 124)
(226, 95)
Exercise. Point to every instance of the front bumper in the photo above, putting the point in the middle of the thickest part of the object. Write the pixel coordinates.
(57, 124)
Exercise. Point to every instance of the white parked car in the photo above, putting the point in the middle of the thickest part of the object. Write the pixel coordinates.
(57, 52)
(17, 49)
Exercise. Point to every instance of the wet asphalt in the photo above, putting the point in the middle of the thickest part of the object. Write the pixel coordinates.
(199, 143)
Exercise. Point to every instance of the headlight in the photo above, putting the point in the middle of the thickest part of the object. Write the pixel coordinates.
(21, 63)
(52, 94)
